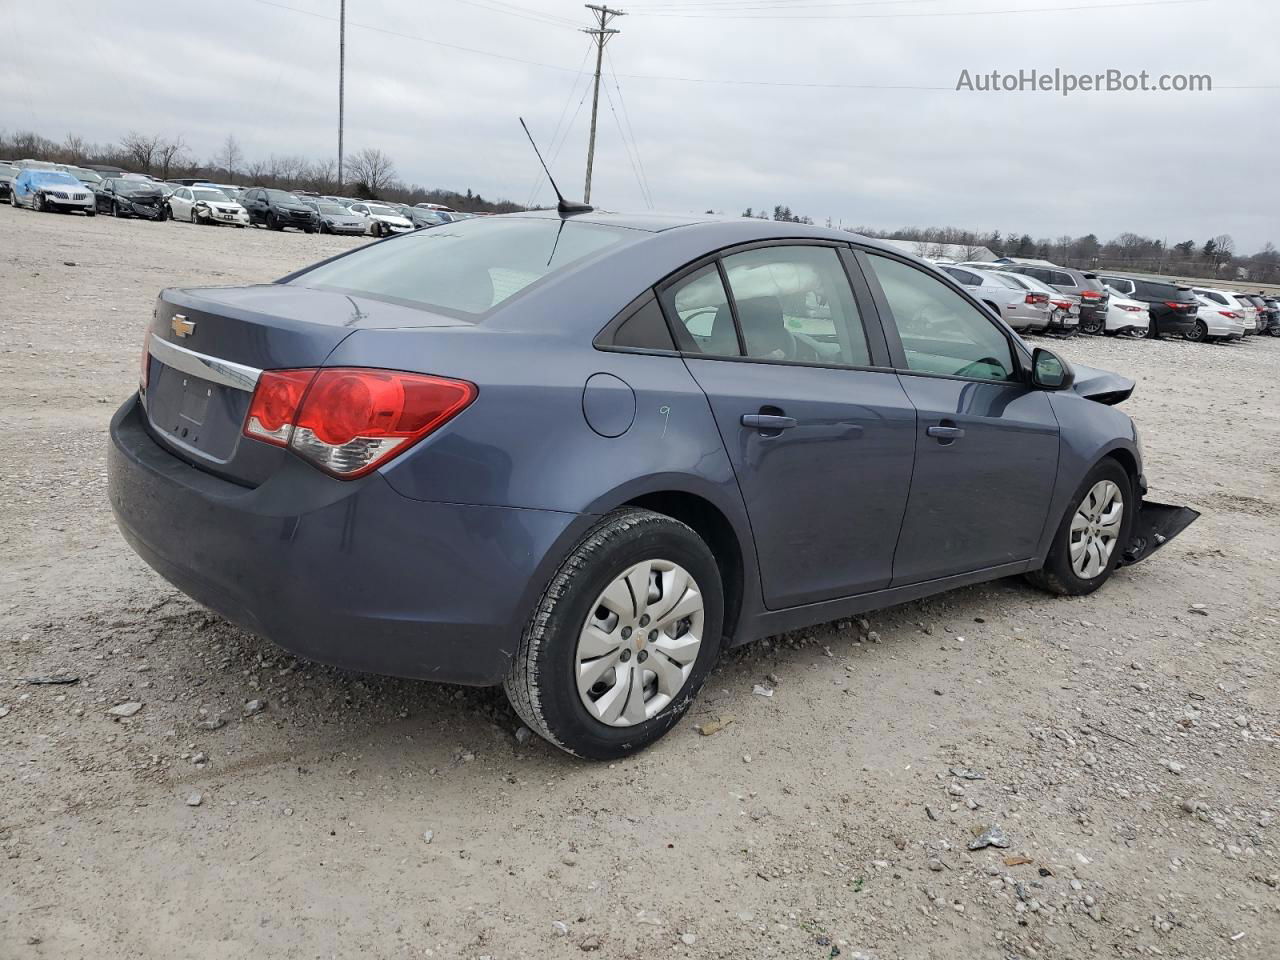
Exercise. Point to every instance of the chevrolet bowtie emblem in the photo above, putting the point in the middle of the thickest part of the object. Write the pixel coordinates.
(181, 326)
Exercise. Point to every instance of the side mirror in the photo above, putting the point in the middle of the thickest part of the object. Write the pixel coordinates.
(1049, 371)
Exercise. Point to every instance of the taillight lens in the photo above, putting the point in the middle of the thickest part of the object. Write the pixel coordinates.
(1131, 309)
(349, 421)
(144, 368)
(1176, 305)
(1229, 315)
(1091, 295)
(1037, 298)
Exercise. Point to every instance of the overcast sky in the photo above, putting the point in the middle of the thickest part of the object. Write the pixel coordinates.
(875, 151)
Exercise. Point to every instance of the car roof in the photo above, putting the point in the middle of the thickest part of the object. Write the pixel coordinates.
(740, 229)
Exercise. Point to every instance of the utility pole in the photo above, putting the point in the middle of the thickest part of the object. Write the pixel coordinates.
(342, 73)
(601, 33)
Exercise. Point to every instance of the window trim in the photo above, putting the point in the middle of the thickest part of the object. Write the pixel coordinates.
(1017, 350)
(877, 348)
(604, 339)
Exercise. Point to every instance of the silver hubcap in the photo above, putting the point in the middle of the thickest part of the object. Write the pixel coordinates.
(640, 643)
(1095, 529)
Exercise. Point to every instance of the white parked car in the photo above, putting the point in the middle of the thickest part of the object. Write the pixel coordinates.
(1215, 320)
(1226, 300)
(383, 221)
(206, 205)
(1127, 316)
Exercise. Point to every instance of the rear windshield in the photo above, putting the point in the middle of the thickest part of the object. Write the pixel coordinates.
(1090, 282)
(467, 268)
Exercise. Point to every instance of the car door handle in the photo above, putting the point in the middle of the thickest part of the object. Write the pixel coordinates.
(946, 432)
(767, 421)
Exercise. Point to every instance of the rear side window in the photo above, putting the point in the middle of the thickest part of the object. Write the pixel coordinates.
(645, 329)
(699, 308)
(965, 277)
(795, 303)
(1007, 281)
(468, 267)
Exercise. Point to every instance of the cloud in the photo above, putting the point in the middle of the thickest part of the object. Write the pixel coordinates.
(1165, 165)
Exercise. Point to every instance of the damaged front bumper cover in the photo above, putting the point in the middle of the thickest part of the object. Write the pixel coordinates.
(1156, 525)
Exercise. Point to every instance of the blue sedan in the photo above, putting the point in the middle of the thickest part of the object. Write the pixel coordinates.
(580, 455)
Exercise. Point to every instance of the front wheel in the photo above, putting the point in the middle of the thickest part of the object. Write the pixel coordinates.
(1091, 538)
(38, 203)
(622, 639)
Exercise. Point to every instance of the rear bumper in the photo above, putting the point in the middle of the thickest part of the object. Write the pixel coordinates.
(349, 573)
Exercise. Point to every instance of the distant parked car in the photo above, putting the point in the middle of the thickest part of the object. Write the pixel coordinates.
(1215, 322)
(1174, 308)
(132, 198)
(1230, 306)
(203, 204)
(1086, 287)
(434, 206)
(277, 209)
(1021, 309)
(383, 221)
(50, 190)
(1266, 319)
(90, 178)
(420, 217)
(8, 173)
(1063, 315)
(1273, 304)
(335, 218)
(1125, 315)
(345, 202)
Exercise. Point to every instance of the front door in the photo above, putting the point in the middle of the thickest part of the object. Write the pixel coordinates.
(821, 442)
(986, 443)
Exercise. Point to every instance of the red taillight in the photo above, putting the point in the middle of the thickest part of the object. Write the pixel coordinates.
(1174, 304)
(1091, 294)
(349, 421)
(144, 368)
(1129, 308)
(1229, 315)
(1034, 298)
(1063, 304)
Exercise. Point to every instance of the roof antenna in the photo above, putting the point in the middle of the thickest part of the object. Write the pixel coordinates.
(565, 207)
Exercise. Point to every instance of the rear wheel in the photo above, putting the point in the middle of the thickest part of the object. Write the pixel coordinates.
(1198, 333)
(1090, 540)
(622, 639)
(1092, 324)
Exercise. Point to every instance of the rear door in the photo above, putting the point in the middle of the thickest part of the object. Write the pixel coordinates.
(819, 429)
(986, 443)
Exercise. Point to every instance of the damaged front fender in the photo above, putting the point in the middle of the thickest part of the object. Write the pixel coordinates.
(1156, 525)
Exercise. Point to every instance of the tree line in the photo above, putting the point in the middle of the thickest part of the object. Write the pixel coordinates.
(368, 173)
(1215, 257)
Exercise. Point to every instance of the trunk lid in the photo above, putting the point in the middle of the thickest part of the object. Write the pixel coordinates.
(207, 347)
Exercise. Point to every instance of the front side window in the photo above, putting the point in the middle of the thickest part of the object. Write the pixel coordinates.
(795, 303)
(941, 332)
(469, 267)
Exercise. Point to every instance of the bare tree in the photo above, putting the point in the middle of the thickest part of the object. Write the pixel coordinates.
(229, 156)
(371, 169)
(74, 149)
(140, 149)
(168, 154)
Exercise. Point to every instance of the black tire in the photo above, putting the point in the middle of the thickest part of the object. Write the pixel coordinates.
(541, 685)
(1093, 326)
(38, 203)
(273, 223)
(90, 212)
(1197, 334)
(1057, 575)
(194, 219)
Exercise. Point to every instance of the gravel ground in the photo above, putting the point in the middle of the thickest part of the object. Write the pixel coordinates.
(255, 804)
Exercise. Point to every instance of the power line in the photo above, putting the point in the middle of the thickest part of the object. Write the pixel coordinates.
(635, 144)
(537, 183)
(627, 147)
(524, 13)
(1017, 11)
